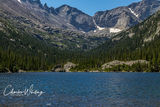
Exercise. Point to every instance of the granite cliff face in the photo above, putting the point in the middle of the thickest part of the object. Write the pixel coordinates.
(118, 18)
(66, 17)
(44, 23)
(68, 27)
(125, 17)
(76, 18)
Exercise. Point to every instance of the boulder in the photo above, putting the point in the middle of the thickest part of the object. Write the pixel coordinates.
(58, 68)
(68, 66)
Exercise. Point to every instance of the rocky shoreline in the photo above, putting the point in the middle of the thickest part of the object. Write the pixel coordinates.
(69, 66)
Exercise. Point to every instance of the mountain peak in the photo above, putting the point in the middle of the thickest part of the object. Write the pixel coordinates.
(76, 18)
(65, 5)
(68, 9)
(65, 8)
(49, 9)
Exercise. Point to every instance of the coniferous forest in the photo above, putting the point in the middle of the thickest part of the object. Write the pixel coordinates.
(19, 50)
(129, 48)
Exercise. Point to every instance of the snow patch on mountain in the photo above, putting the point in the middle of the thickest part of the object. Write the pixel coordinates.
(133, 13)
(98, 27)
(114, 30)
(19, 1)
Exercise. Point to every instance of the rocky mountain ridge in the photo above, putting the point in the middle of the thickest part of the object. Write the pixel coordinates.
(68, 27)
(67, 17)
(127, 16)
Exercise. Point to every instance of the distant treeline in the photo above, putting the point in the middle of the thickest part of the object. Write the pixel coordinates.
(21, 50)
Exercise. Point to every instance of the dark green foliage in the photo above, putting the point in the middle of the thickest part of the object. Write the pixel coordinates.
(125, 68)
(129, 48)
(21, 50)
(3, 69)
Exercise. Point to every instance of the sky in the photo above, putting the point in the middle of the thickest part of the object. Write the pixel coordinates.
(90, 6)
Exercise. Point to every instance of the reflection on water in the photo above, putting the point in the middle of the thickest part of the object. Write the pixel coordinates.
(83, 89)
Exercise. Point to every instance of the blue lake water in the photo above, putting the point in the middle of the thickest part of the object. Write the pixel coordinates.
(83, 89)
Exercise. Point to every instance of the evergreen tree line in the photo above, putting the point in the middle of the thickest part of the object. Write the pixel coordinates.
(27, 52)
(128, 48)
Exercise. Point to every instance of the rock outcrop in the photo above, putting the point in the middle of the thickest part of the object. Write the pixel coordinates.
(127, 16)
(116, 63)
(65, 68)
(68, 66)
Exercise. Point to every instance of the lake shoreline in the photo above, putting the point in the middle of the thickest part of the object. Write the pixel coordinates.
(77, 72)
